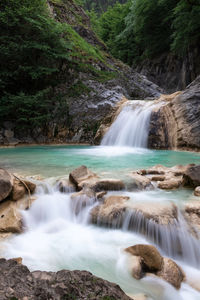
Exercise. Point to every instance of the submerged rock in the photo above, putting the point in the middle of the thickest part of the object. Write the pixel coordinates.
(64, 284)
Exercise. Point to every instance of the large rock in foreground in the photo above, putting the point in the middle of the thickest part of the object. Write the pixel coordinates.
(17, 282)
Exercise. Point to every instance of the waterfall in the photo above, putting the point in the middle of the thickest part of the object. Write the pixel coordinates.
(131, 128)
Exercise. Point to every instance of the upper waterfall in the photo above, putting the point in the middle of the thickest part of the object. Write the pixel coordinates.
(131, 127)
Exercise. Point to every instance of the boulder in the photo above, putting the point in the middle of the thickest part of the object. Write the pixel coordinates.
(108, 185)
(5, 184)
(160, 213)
(197, 191)
(192, 176)
(111, 212)
(171, 273)
(150, 255)
(140, 182)
(146, 260)
(81, 177)
(10, 218)
(20, 188)
(170, 184)
(17, 282)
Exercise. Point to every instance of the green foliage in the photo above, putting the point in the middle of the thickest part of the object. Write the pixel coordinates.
(112, 23)
(186, 25)
(141, 29)
(100, 6)
(32, 52)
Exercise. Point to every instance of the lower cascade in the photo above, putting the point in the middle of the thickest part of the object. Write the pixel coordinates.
(131, 128)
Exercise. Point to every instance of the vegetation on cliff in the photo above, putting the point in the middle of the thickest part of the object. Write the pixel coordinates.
(143, 29)
(40, 51)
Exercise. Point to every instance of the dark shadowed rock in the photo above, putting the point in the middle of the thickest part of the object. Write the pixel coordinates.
(17, 282)
(192, 176)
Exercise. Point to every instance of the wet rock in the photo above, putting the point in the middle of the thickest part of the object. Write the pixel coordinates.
(197, 191)
(149, 254)
(171, 273)
(20, 188)
(192, 213)
(160, 213)
(140, 182)
(170, 184)
(82, 199)
(49, 285)
(108, 185)
(149, 261)
(158, 178)
(100, 195)
(10, 218)
(192, 176)
(135, 264)
(111, 212)
(81, 177)
(5, 184)
(65, 186)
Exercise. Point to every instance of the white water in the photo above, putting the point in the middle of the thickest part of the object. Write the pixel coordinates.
(58, 236)
(131, 128)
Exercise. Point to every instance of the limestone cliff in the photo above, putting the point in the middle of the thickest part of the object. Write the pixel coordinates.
(172, 72)
(176, 124)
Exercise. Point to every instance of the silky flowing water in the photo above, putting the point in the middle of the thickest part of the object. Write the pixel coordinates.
(56, 238)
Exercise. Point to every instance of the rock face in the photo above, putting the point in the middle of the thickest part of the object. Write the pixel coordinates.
(172, 72)
(5, 184)
(176, 124)
(146, 260)
(17, 282)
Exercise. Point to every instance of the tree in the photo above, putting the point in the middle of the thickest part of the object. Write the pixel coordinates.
(33, 51)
